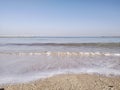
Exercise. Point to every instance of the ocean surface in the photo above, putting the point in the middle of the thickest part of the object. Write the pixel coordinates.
(25, 59)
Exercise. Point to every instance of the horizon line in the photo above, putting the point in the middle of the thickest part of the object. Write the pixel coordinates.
(27, 36)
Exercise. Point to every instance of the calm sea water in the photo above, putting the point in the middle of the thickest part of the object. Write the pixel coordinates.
(27, 59)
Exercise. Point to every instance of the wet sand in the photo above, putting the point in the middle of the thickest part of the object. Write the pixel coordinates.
(70, 82)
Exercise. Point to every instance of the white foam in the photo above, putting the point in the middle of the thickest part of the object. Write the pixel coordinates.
(117, 54)
(25, 67)
(36, 76)
(48, 53)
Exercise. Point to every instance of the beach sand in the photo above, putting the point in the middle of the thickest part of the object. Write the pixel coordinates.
(70, 82)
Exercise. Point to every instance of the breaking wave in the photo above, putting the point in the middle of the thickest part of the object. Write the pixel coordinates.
(49, 53)
(63, 44)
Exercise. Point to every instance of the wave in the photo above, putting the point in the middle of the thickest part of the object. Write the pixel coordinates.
(49, 53)
(63, 44)
(36, 76)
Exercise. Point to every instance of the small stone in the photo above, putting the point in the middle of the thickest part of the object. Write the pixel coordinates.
(1, 88)
(110, 86)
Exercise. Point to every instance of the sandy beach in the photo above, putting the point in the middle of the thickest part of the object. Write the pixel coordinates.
(70, 82)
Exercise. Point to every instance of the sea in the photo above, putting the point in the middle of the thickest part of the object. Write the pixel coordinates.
(24, 59)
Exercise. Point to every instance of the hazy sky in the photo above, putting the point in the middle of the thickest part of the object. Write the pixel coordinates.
(60, 17)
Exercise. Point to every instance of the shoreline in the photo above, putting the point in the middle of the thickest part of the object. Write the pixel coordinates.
(69, 82)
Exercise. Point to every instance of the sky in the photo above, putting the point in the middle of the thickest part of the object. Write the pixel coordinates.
(60, 17)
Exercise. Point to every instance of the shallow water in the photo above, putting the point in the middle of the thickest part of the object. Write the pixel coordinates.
(26, 59)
